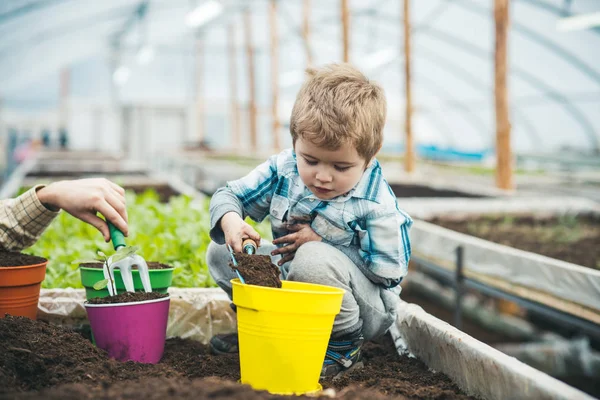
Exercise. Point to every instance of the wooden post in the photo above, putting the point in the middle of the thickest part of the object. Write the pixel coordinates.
(252, 86)
(200, 114)
(65, 88)
(409, 156)
(274, 75)
(504, 179)
(235, 111)
(346, 30)
(306, 31)
(121, 115)
(3, 139)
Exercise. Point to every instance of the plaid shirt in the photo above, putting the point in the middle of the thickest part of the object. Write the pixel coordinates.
(22, 220)
(365, 223)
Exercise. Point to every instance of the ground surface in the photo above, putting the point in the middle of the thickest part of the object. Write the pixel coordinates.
(41, 361)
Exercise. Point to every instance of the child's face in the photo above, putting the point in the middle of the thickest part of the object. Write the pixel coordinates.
(328, 173)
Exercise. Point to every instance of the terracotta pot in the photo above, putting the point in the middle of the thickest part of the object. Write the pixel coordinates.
(20, 289)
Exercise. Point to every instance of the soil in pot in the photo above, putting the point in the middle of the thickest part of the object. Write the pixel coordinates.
(15, 259)
(151, 265)
(21, 277)
(66, 366)
(257, 270)
(127, 297)
(569, 238)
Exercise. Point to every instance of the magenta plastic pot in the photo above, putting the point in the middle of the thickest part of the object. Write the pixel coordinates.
(131, 331)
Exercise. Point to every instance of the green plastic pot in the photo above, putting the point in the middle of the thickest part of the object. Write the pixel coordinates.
(160, 279)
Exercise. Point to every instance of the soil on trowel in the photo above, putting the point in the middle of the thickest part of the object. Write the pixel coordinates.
(16, 259)
(569, 238)
(42, 361)
(128, 297)
(257, 270)
(151, 265)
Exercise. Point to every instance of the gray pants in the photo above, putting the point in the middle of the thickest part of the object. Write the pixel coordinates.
(365, 307)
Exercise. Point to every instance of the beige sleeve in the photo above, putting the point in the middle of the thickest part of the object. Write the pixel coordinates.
(22, 220)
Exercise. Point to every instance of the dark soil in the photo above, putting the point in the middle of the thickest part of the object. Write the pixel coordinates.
(151, 265)
(64, 365)
(257, 270)
(164, 192)
(574, 239)
(16, 259)
(405, 190)
(128, 297)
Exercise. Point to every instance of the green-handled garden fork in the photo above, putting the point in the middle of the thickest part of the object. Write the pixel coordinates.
(124, 261)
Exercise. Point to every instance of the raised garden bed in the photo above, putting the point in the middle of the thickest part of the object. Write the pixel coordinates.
(574, 239)
(413, 190)
(164, 191)
(470, 327)
(61, 364)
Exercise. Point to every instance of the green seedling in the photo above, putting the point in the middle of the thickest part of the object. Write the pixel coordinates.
(120, 254)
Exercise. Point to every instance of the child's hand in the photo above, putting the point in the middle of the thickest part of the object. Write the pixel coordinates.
(303, 233)
(83, 198)
(236, 230)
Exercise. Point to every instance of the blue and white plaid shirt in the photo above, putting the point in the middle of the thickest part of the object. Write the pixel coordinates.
(365, 223)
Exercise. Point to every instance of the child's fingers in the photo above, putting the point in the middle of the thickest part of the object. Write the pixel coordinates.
(296, 227)
(285, 249)
(251, 233)
(284, 239)
(235, 243)
(288, 257)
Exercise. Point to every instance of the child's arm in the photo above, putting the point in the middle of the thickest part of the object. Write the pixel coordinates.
(385, 248)
(248, 196)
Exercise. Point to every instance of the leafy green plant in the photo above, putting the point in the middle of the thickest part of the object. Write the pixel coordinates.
(174, 233)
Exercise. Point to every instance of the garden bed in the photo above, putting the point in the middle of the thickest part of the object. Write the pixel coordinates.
(163, 190)
(61, 364)
(412, 190)
(574, 239)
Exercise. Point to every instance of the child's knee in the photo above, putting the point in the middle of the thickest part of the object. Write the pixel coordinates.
(215, 256)
(314, 263)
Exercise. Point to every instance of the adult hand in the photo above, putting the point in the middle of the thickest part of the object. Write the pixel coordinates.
(303, 233)
(236, 230)
(84, 198)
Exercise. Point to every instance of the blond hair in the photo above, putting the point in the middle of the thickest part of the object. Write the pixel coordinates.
(336, 105)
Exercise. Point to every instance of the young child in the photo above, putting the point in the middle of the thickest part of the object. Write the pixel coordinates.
(334, 218)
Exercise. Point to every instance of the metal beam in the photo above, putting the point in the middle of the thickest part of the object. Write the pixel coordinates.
(58, 31)
(538, 38)
(28, 8)
(556, 316)
(559, 11)
(136, 17)
(575, 112)
(467, 78)
(432, 16)
(471, 116)
(542, 86)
